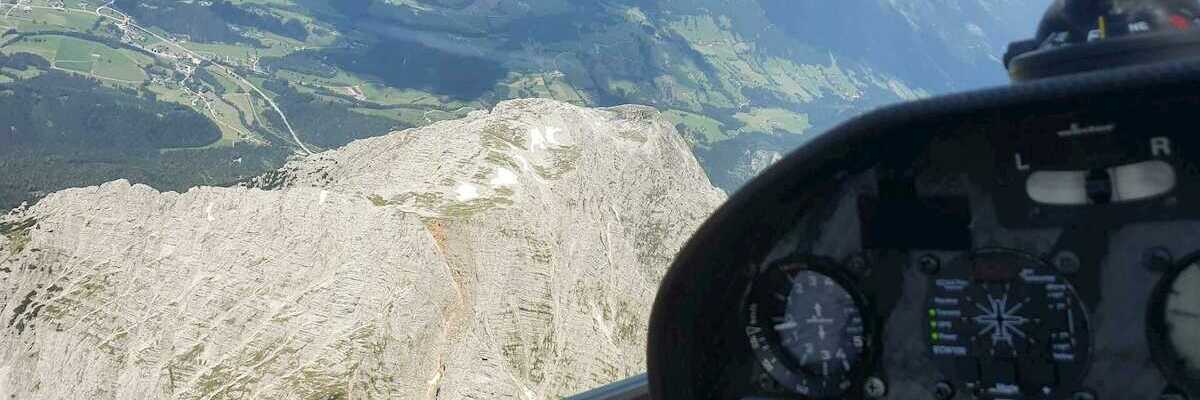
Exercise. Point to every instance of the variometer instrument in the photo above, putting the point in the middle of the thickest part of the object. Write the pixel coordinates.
(1173, 322)
(805, 323)
(1003, 323)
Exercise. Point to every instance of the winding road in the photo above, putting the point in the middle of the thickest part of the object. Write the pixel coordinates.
(125, 22)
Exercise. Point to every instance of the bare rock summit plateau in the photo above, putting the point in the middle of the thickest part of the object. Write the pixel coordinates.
(510, 254)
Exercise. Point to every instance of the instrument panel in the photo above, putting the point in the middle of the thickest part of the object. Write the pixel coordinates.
(1003, 323)
(1041, 249)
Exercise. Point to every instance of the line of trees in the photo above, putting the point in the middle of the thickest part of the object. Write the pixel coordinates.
(213, 23)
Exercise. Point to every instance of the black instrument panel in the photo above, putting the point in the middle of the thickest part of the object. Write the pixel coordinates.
(1037, 242)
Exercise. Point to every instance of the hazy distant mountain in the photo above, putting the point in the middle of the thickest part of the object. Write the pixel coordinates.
(938, 45)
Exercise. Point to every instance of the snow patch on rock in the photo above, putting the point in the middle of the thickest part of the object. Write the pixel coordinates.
(504, 177)
(466, 192)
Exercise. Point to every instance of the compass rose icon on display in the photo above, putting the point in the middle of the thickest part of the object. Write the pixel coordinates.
(1000, 320)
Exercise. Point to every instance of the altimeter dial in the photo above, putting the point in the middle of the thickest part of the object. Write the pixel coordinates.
(806, 325)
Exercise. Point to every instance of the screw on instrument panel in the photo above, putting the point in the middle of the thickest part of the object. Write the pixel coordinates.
(1083, 395)
(857, 263)
(943, 391)
(1066, 262)
(1157, 258)
(929, 264)
(765, 382)
(874, 388)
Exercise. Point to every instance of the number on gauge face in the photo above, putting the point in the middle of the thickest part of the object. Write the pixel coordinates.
(807, 329)
(821, 327)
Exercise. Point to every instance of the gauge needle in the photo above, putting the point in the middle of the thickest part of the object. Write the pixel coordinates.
(785, 326)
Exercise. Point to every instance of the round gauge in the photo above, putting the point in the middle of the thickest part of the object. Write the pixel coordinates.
(1174, 325)
(1003, 323)
(805, 324)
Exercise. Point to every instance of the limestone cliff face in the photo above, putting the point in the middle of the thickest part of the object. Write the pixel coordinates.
(510, 254)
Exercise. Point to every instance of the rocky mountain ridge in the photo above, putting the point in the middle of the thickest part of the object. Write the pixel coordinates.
(510, 254)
